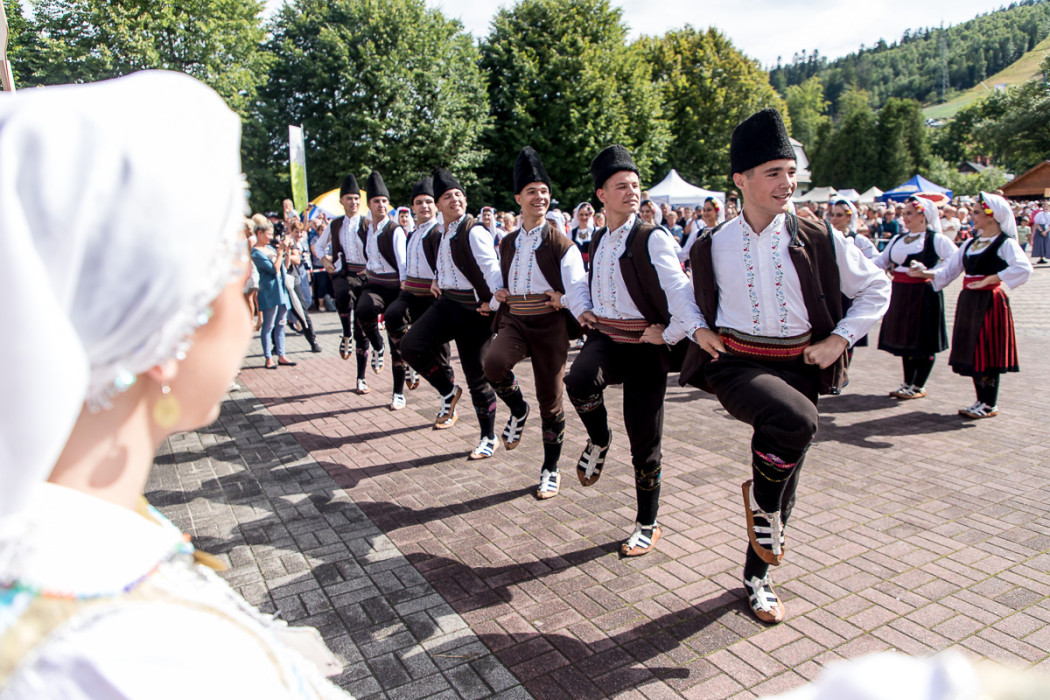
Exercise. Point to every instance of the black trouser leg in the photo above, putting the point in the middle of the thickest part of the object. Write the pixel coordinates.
(553, 436)
(426, 344)
(779, 401)
(506, 350)
(585, 384)
(644, 387)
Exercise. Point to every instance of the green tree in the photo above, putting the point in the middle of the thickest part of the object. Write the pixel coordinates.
(708, 87)
(216, 41)
(945, 174)
(384, 84)
(1019, 137)
(902, 142)
(847, 155)
(808, 109)
(19, 41)
(563, 79)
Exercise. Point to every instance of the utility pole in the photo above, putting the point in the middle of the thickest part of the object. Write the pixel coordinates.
(943, 45)
(7, 81)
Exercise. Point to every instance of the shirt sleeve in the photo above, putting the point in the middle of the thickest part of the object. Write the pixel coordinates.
(320, 246)
(944, 274)
(400, 251)
(683, 252)
(945, 249)
(676, 285)
(577, 295)
(867, 248)
(482, 244)
(1020, 267)
(865, 284)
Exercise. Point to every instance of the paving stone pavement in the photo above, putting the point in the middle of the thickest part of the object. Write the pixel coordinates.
(429, 575)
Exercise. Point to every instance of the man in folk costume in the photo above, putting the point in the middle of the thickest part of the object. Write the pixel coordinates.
(770, 284)
(346, 268)
(385, 250)
(416, 294)
(542, 276)
(637, 287)
(468, 273)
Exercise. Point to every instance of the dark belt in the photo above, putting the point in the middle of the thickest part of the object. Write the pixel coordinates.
(623, 330)
(529, 304)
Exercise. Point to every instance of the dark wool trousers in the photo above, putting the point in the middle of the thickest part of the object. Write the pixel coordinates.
(347, 289)
(544, 338)
(639, 368)
(398, 317)
(447, 320)
(371, 303)
(779, 401)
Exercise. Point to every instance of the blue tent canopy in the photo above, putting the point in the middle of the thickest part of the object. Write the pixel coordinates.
(915, 185)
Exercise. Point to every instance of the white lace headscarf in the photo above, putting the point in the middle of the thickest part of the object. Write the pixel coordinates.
(98, 184)
(854, 216)
(411, 219)
(929, 210)
(1001, 212)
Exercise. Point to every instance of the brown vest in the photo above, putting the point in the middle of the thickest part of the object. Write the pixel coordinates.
(548, 255)
(548, 258)
(639, 274)
(337, 243)
(643, 284)
(385, 243)
(463, 257)
(812, 251)
(430, 245)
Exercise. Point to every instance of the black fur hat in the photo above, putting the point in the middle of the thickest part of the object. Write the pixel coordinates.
(609, 162)
(445, 181)
(376, 187)
(759, 139)
(528, 168)
(424, 186)
(349, 186)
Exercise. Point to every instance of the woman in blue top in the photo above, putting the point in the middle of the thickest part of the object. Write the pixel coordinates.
(273, 295)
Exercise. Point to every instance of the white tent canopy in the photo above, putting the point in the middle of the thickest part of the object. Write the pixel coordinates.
(868, 196)
(675, 191)
(817, 194)
(850, 195)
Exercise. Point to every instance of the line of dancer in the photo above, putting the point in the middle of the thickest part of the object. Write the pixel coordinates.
(764, 324)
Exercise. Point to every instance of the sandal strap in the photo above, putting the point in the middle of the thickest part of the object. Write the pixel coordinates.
(760, 593)
(592, 459)
(548, 481)
(638, 538)
(486, 447)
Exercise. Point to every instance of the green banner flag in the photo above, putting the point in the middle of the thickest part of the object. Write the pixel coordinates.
(297, 162)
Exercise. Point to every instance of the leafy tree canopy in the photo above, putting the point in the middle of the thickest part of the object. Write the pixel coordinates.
(376, 84)
(707, 87)
(564, 80)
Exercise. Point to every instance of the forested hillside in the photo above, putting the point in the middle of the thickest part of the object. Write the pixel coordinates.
(926, 61)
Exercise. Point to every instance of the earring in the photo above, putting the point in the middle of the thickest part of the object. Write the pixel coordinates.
(166, 410)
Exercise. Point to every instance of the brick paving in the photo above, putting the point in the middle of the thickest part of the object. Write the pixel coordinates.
(429, 575)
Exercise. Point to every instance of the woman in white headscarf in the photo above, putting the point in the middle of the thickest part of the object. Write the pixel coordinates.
(914, 328)
(711, 215)
(845, 218)
(582, 230)
(984, 344)
(134, 339)
(405, 219)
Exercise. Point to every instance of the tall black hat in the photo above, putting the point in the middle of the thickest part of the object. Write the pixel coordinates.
(609, 162)
(349, 186)
(445, 181)
(424, 186)
(528, 168)
(376, 187)
(759, 139)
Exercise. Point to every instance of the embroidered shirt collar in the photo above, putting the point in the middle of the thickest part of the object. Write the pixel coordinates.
(774, 225)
